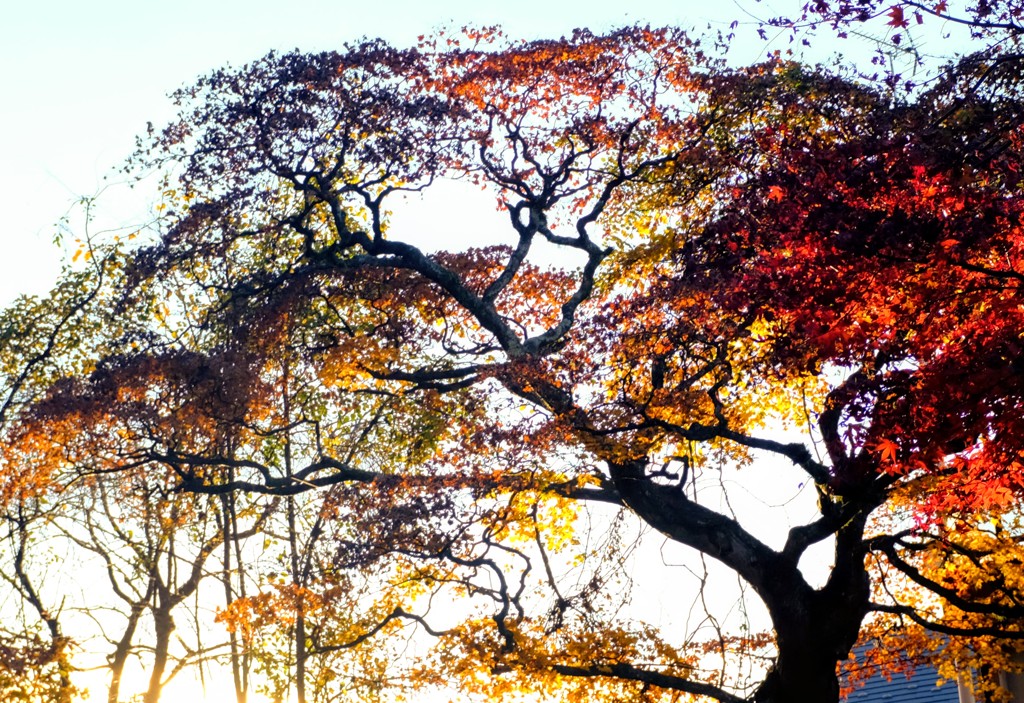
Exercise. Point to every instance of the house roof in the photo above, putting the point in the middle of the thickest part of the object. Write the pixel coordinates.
(919, 688)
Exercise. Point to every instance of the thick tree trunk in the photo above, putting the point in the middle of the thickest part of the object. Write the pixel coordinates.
(815, 634)
(814, 628)
(792, 680)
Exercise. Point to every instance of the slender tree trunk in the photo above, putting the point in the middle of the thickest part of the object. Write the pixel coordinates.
(229, 528)
(293, 546)
(121, 652)
(163, 625)
(300, 618)
(246, 655)
(164, 602)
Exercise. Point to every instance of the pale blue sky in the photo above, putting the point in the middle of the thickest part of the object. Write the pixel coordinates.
(79, 79)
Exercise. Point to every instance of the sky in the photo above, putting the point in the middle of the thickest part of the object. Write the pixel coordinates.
(79, 80)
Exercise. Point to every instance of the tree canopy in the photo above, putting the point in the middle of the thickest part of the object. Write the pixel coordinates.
(711, 282)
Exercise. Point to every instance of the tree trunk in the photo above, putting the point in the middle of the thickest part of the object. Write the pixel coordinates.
(121, 652)
(811, 679)
(164, 626)
(814, 628)
(229, 528)
(814, 635)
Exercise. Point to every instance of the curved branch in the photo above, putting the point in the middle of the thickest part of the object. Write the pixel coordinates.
(987, 631)
(774, 576)
(629, 672)
(396, 614)
(798, 453)
(888, 548)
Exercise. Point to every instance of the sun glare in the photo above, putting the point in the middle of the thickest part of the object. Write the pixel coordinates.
(217, 687)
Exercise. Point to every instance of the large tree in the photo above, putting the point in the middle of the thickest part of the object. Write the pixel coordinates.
(771, 268)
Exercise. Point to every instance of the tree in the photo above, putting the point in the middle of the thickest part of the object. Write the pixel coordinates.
(155, 547)
(987, 34)
(34, 660)
(695, 257)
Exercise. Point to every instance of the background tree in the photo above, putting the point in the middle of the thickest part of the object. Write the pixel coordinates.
(36, 661)
(156, 548)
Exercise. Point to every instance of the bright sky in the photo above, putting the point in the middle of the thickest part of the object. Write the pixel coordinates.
(80, 79)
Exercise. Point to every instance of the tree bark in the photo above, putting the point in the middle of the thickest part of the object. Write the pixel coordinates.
(164, 626)
(814, 628)
(121, 652)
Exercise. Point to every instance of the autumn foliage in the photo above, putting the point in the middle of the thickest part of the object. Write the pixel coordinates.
(711, 282)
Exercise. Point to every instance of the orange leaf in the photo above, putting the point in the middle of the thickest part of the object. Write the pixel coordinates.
(886, 449)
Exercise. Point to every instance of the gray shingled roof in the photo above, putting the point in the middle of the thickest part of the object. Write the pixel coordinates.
(919, 688)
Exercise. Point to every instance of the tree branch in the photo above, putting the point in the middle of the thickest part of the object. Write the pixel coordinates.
(655, 678)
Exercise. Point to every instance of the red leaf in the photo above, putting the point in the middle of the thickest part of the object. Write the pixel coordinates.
(896, 17)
